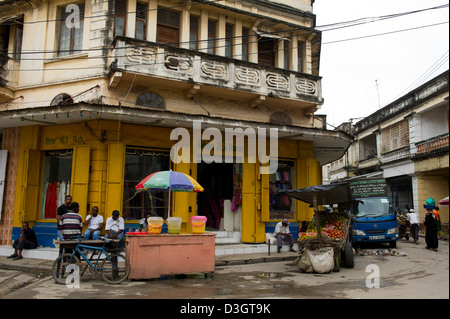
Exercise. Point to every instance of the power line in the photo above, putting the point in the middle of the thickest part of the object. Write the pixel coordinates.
(215, 47)
(424, 76)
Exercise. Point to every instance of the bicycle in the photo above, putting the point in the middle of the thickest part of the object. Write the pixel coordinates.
(114, 267)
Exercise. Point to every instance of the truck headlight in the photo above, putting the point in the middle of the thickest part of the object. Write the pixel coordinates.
(392, 231)
(357, 232)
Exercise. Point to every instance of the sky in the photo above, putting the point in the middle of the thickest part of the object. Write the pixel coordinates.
(361, 76)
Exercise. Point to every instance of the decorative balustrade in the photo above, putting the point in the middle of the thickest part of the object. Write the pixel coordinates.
(395, 154)
(432, 144)
(368, 162)
(180, 64)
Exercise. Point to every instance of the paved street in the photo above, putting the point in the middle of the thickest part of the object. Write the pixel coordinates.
(420, 274)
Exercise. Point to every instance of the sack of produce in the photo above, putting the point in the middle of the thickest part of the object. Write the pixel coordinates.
(322, 259)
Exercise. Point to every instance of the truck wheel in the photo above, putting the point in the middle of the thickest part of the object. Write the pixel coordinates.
(393, 244)
(348, 257)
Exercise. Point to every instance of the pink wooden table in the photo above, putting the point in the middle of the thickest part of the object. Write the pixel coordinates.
(153, 255)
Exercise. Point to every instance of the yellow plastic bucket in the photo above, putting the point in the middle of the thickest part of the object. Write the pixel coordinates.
(198, 224)
(155, 225)
(173, 225)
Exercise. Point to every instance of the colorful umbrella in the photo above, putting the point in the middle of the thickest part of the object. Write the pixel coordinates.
(170, 181)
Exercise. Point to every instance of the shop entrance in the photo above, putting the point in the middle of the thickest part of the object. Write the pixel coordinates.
(217, 180)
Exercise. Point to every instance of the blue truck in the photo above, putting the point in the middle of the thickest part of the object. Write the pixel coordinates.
(374, 218)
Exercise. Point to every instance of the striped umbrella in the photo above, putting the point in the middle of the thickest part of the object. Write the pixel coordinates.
(170, 181)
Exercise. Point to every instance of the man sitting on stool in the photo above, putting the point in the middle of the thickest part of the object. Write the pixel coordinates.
(282, 233)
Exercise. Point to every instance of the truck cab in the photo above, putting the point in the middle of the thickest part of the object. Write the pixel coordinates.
(375, 221)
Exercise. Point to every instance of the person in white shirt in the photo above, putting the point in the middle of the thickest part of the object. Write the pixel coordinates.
(282, 233)
(115, 226)
(95, 223)
(414, 221)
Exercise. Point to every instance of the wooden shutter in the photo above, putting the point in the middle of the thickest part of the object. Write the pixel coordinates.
(168, 28)
(114, 178)
(30, 186)
(80, 176)
(266, 53)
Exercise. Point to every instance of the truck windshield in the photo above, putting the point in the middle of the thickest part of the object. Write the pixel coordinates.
(372, 207)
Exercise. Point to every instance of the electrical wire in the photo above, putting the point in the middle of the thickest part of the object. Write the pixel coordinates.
(217, 47)
(338, 26)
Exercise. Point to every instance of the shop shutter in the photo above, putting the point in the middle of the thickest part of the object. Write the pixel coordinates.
(80, 176)
(30, 186)
(114, 178)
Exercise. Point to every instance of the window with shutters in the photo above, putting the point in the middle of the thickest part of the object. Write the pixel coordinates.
(18, 37)
(211, 36)
(229, 40)
(245, 43)
(395, 136)
(266, 53)
(168, 27)
(193, 33)
(300, 55)
(70, 36)
(286, 50)
(141, 21)
(120, 16)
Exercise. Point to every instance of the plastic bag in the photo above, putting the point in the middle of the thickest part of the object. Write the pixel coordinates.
(322, 259)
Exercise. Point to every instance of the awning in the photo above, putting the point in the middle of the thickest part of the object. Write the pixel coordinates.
(325, 194)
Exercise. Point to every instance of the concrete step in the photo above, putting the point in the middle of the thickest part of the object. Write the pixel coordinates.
(38, 253)
(222, 248)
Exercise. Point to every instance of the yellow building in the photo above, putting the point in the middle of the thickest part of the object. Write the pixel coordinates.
(90, 92)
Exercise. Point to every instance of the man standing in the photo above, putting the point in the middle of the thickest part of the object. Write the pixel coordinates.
(114, 226)
(414, 221)
(282, 233)
(71, 223)
(62, 210)
(95, 222)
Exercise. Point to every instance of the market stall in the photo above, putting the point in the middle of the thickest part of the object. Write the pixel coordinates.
(154, 255)
(329, 230)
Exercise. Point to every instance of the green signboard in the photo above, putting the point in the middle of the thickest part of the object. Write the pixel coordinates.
(376, 187)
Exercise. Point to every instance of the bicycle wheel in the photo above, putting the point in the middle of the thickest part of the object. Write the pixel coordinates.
(60, 274)
(115, 269)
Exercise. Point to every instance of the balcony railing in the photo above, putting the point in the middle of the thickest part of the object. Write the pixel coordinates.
(395, 154)
(433, 144)
(179, 64)
(368, 162)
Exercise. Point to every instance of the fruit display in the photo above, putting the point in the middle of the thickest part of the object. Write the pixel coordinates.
(331, 226)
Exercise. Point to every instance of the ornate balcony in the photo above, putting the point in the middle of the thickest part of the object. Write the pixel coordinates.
(213, 72)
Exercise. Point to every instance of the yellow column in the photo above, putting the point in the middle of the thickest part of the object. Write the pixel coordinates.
(131, 19)
(152, 20)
